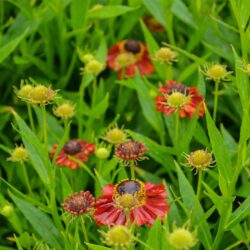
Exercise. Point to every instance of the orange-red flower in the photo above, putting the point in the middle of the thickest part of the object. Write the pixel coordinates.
(127, 56)
(130, 151)
(76, 148)
(178, 97)
(153, 24)
(79, 203)
(142, 202)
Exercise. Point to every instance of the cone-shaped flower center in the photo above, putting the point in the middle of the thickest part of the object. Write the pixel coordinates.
(132, 46)
(177, 99)
(181, 238)
(116, 136)
(124, 59)
(200, 158)
(127, 201)
(217, 72)
(72, 147)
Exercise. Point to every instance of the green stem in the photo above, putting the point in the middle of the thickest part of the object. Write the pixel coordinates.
(81, 96)
(94, 91)
(176, 134)
(86, 238)
(169, 71)
(31, 118)
(216, 97)
(26, 178)
(198, 193)
(132, 169)
(128, 218)
(44, 127)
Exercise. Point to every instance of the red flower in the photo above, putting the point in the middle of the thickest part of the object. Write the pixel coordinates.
(75, 148)
(130, 151)
(144, 202)
(79, 203)
(178, 97)
(127, 56)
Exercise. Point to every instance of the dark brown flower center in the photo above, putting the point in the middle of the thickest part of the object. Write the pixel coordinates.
(128, 187)
(132, 46)
(72, 147)
(178, 87)
(128, 148)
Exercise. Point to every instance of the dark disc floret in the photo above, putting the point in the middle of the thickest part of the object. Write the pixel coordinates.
(73, 147)
(128, 187)
(132, 46)
(178, 87)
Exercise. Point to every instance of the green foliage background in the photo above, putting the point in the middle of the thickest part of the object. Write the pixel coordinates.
(41, 39)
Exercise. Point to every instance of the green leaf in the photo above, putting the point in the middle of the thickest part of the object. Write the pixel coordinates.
(41, 223)
(153, 47)
(155, 235)
(9, 47)
(97, 247)
(110, 11)
(100, 108)
(221, 154)
(148, 106)
(241, 81)
(189, 199)
(182, 12)
(36, 150)
(159, 153)
(156, 9)
(240, 213)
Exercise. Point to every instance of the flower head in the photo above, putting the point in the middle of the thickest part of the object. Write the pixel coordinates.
(93, 67)
(102, 153)
(178, 97)
(118, 236)
(19, 154)
(76, 148)
(115, 135)
(7, 210)
(144, 202)
(153, 24)
(79, 203)
(127, 56)
(24, 92)
(42, 95)
(246, 68)
(65, 110)
(199, 159)
(130, 151)
(182, 239)
(217, 72)
(165, 55)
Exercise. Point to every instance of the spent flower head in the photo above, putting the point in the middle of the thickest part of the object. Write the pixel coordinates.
(199, 159)
(79, 203)
(93, 67)
(42, 95)
(65, 110)
(165, 55)
(24, 92)
(19, 154)
(118, 237)
(130, 152)
(115, 135)
(181, 238)
(217, 72)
